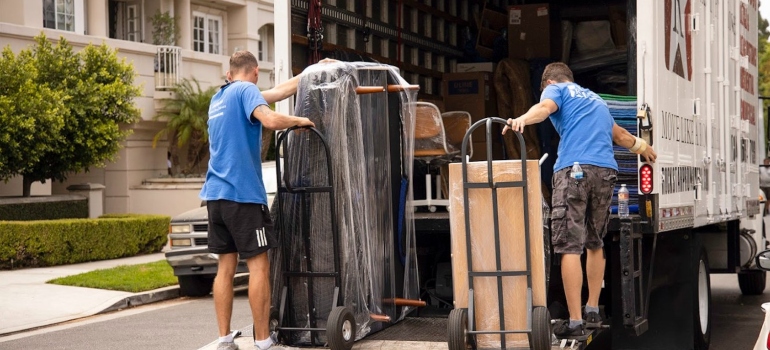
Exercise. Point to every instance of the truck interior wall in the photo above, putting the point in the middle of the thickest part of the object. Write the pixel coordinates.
(607, 66)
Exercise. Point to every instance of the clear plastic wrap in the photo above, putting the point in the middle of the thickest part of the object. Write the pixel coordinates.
(377, 255)
(512, 246)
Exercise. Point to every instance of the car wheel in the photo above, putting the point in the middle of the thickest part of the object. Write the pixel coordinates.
(752, 282)
(195, 285)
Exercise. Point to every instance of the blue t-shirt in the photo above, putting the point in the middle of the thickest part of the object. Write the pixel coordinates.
(584, 124)
(235, 142)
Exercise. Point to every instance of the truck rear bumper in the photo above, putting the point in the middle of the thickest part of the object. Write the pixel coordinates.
(197, 261)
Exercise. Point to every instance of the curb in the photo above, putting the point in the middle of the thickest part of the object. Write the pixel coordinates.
(160, 294)
(152, 296)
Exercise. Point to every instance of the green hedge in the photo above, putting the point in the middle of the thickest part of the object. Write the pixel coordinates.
(43, 208)
(59, 242)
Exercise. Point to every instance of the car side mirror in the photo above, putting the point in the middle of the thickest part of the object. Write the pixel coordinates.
(763, 260)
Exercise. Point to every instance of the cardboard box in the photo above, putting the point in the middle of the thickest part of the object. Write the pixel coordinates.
(472, 92)
(476, 67)
(533, 32)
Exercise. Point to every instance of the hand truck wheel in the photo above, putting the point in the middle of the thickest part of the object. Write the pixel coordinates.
(457, 328)
(341, 329)
(540, 338)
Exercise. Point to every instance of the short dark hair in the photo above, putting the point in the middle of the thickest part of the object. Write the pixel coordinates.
(556, 71)
(241, 61)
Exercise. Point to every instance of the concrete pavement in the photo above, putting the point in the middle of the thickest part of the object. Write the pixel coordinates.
(27, 302)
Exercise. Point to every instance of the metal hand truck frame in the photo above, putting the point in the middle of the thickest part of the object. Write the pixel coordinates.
(461, 325)
(341, 325)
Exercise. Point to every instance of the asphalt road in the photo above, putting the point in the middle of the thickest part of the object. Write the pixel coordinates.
(189, 324)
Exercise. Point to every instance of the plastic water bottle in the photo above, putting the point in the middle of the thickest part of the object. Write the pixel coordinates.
(623, 201)
(577, 171)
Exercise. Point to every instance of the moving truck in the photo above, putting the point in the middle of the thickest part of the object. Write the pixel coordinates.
(690, 66)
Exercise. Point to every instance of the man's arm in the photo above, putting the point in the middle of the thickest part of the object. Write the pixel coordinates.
(277, 121)
(282, 90)
(534, 115)
(634, 144)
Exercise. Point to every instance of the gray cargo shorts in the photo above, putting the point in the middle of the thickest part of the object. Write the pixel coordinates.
(581, 208)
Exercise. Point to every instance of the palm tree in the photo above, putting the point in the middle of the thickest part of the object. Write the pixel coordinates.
(187, 117)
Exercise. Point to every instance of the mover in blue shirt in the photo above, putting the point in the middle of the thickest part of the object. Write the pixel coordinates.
(580, 204)
(239, 220)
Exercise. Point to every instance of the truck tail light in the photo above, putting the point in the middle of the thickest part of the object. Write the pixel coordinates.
(645, 179)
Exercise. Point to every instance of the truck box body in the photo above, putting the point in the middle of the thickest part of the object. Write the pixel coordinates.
(697, 72)
(691, 67)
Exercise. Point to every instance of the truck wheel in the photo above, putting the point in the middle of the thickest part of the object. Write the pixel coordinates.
(341, 329)
(540, 339)
(457, 328)
(702, 302)
(752, 282)
(195, 285)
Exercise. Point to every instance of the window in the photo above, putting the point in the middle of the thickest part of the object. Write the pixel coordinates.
(265, 44)
(133, 23)
(59, 14)
(207, 33)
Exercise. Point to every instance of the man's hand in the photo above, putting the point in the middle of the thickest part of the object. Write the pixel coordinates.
(515, 125)
(305, 122)
(328, 60)
(649, 154)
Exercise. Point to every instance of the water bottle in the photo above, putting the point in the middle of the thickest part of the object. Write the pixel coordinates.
(623, 201)
(577, 171)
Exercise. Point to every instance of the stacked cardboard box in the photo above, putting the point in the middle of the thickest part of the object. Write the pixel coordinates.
(473, 92)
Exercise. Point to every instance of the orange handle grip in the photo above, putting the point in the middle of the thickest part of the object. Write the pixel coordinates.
(380, 318)
(405, 302)
(369, 89)
(397, 88)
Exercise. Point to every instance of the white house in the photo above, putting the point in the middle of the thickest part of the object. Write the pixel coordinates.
(208, 32)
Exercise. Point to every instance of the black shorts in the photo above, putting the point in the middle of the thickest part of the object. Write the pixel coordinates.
(245, 228)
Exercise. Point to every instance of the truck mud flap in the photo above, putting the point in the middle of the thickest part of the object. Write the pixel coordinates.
(669, 286)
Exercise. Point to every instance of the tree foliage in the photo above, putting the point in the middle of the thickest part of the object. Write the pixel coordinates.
(97, 90)
(764, 66)
(29, 113)
(187, 117)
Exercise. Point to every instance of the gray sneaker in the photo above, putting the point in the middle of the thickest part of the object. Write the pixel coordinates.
(226, 345)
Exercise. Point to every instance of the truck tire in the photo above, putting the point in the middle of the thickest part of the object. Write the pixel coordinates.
(195, 285)
(752, 282)
(702, 302)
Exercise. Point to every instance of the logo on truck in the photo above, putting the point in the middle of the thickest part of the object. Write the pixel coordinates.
(678, 39)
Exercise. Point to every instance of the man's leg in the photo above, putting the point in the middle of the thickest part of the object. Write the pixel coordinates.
(572, 276)
(223, 291)
(595, 273)
(259, 294)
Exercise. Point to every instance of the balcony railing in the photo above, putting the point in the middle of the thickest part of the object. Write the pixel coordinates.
(168, 62)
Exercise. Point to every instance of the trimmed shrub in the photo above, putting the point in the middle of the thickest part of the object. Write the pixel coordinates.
(44, 208)
(59, 242)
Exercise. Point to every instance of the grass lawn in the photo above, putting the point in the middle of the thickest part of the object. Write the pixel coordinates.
(127, 278)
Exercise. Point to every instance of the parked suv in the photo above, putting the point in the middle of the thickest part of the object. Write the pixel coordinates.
(189, 256)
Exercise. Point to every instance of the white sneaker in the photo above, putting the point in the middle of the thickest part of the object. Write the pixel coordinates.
(277, 346)
(227, 346)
